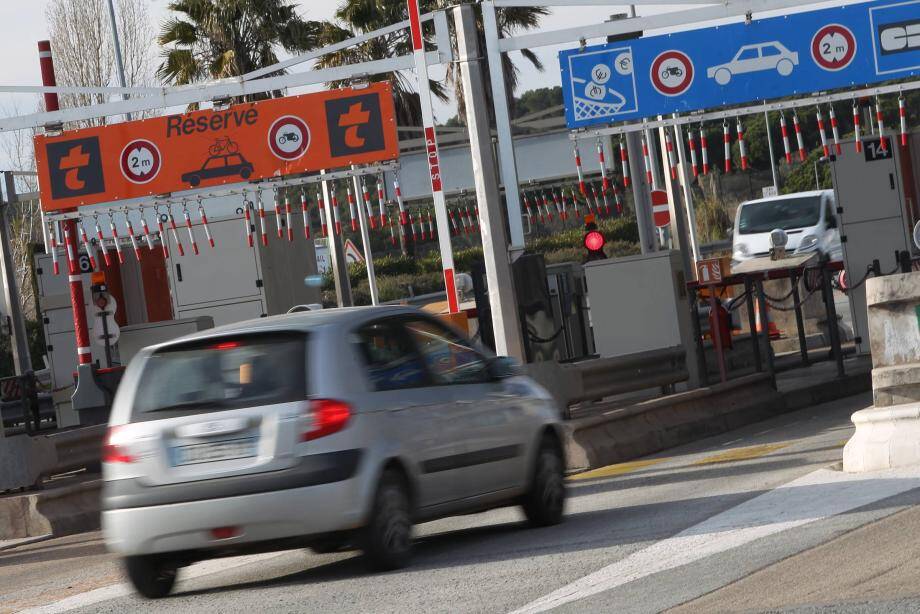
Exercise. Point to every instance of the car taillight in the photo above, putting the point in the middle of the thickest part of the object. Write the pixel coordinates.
(113, 448)
(326, 417)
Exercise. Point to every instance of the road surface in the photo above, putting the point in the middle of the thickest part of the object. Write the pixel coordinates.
(757, 519)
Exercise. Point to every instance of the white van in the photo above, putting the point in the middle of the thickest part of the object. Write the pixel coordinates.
(808, 218)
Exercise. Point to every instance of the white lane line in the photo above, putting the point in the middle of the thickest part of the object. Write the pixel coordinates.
(115, 591)
(816, 496)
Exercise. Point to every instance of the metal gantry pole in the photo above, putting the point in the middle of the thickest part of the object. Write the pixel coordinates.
(506, 157)
(683, 170)
(434, 162)
(366, 240)
(336, 252)
(766, 118)
(506, 323)
(119, 64)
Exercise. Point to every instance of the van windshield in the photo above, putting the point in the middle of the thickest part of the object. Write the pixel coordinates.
(221, 374)
(784, 214)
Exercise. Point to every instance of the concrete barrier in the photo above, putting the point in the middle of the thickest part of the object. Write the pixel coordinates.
(60, 510)
(888, 434)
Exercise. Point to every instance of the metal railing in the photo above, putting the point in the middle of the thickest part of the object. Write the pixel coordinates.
(607, 377)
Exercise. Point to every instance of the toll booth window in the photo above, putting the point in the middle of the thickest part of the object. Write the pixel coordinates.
(392, 362)
(450, 359)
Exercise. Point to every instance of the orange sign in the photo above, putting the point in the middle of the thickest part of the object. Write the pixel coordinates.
(245, 142)
(709, 271)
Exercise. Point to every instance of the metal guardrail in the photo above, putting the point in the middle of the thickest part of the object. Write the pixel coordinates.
(606, 377)
(78, 448)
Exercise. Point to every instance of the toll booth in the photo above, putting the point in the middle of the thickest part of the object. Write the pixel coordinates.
(876, 192)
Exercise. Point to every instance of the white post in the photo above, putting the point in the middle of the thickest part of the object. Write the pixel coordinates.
(507, 163)
(434, 163)
(358, 182)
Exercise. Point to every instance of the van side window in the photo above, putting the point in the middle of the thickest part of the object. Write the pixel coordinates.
(829, 215)
(391, 359)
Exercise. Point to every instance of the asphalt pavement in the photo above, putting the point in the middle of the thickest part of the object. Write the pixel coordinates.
(758, 519)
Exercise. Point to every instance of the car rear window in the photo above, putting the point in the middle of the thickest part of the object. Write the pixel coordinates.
(221, 374)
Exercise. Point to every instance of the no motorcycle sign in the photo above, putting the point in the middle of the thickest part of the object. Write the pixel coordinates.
(243, 142)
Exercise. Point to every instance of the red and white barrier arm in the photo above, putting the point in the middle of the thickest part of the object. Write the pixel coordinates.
(575, 203)
(393, 240)
(624, 162)
(321, 205)
(188, 226)
(742, 145)
(52, 231)
(602, 159)
(134, 244)
(403, 214)
(881, 126)
(352, 211)
(727, 141)
(304, 208)
(799, 137)
(382, 204)
(263, 230)
(288, 213)
(694, 161)
(787, 145)
(434, 163)
(247, 221)
(101, 240)
(902, 112)
(86, 245)
(146, 229)
(558, 205)
(337, 219)
(368, 206)
(835, 130)
(174, 230)
(648, 163)
(597, 202)
(453, 222)
(822, 132)
(704, 150)
(121, 254)
(431, 231)
(579, 170)
(857, 127)
(617, 196)
(81, 330)
(204, 224)
(669, 146)
(164, 243)
(549, 212)
(276, 197)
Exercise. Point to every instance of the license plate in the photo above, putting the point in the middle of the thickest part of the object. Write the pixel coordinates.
(213, 452)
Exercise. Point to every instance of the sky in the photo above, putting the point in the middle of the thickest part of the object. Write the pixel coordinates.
(22, 24)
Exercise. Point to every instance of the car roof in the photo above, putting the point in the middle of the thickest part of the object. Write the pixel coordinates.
(301, 321)
(788, 197)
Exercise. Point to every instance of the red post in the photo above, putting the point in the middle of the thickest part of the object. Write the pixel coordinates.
(81, 330)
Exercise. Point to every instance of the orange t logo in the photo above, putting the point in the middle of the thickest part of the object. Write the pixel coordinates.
(352, 121)
(72, 163)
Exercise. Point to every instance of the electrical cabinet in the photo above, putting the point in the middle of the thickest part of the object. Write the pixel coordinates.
(874, 209)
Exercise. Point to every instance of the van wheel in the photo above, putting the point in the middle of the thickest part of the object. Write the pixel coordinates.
(387, 538)
(153, 577)
(544, 503)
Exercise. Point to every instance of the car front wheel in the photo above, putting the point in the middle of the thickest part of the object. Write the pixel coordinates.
(544, 502)
(387, 538)
(153, 577)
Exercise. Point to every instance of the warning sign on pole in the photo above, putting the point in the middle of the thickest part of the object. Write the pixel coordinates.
(243, 142)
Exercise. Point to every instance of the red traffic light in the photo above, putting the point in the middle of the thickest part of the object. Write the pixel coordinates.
(594, 241)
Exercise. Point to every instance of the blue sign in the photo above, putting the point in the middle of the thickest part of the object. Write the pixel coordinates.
(842, 47)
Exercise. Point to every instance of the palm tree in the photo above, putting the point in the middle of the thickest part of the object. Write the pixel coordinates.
(356, 17)
(213, 39)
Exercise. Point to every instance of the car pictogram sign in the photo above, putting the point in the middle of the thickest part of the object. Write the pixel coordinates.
(833, 47)
(289, 137)
(672, 73)
(140, 161)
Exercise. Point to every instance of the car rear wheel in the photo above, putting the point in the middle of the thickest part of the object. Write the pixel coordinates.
(194, 180)
(387, 538)
(544, 503)
(723, 76)
(153, 577)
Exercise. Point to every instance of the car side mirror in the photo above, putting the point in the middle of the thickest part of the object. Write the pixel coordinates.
(503, 367)
(832, 223)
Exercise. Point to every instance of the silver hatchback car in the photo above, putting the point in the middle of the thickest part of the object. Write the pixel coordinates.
(322, 429)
